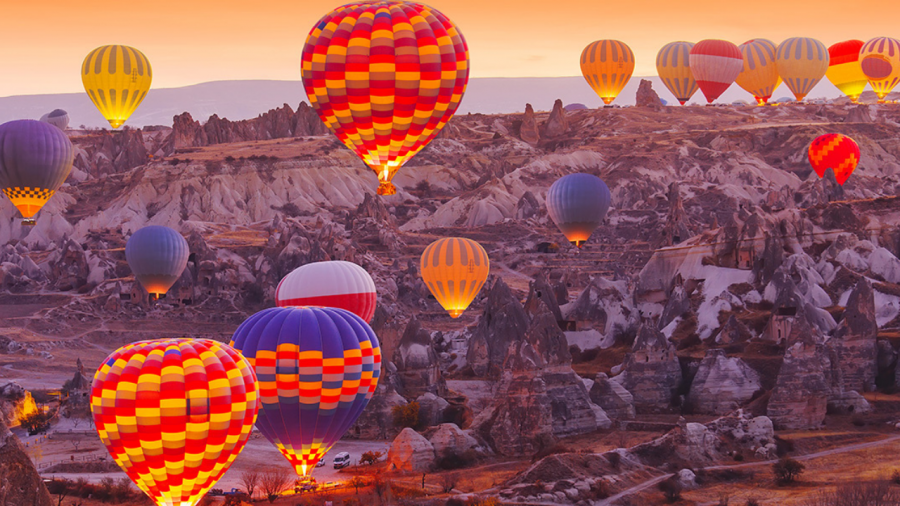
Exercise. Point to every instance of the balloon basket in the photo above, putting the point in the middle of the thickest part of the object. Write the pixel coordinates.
(29, 222)
(387, 188)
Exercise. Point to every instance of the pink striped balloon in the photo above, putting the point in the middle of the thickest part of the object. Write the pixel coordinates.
(715, 65)
(339, 284)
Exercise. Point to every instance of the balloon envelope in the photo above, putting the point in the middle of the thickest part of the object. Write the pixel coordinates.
(577, 203)
(844, 69)
(715, 65)
(317, 369)
(880, 61)
(385, 77)
(35, 160)
(674, 68)
(174, 414)
(338, 284)
(58, 118)
(117, 78)
(802, 63)
(455, 269)
(759, 76)
(836, 152)
(607, 66)
(157, 257)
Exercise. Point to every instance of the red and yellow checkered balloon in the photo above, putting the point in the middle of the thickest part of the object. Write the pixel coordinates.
(834, 151)
(174, 414)
(385, 77)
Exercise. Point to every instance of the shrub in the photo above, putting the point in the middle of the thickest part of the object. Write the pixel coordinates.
(671, 489)
(550, 450)
(407, 415)
(896, 477)
(370, 457)
(752, 502)
(738, 457)
(36, 422)
(615, 459)
(787, 470)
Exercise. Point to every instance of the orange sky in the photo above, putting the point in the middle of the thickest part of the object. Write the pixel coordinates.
(43, 42)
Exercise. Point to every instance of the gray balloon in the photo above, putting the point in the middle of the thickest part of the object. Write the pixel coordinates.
(157, 257)
(58, 118)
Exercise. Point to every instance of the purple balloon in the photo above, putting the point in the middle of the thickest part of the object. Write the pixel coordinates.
(35, 160)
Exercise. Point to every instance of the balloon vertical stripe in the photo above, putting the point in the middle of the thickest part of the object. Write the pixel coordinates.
(674, 68)
(880, 61)
(759, 76)
(110, 75)
(802, 62)
(454, 269)
(607, 66)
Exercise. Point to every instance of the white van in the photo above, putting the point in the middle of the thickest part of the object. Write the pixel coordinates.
(341, 460)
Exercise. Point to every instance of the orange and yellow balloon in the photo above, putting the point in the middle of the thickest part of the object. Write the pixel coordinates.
(844, 69)
(759, 76)
(385, 77)
(117, 78)
(174, 414)
(802, 63)
(455, 269)
(607, 66)
(673, 64)
(880, 60)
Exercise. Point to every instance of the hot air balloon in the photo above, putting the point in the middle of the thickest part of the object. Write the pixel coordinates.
(880, 60)
(845, 70)
(58, 118)
(35, 160)
(333, 284)
(455, 269)
(157, 257)
(117, 78)
(174, 414)
(802, 63)
(760, 74)
(385, 77)
(577, 203)
(715, 65)
(317, 369)
(607, 66)
(674, 68)
(836, 152)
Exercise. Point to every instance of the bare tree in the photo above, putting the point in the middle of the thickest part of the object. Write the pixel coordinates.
(275, 481)
(357, 482)
(872, 493)
(449, 482)
(382, 487)
(250, 481)
(75, 442)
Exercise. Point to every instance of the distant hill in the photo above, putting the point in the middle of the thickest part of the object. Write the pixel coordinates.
(237, 100)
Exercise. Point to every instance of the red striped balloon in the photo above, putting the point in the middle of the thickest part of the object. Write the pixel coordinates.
(715, 65)
(339, 284)
(834, 151)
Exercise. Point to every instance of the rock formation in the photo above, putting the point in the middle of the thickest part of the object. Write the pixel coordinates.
(557, 124)
(20, 482)
(411, 452)
(800, 397)
(646, 97)
(651, 371)
(722, 384)
(503, 321)
(616, 401)
(859, 114)
(854, 340)
(677, 227)
(450, 440)
(529, 131)
(418, 370)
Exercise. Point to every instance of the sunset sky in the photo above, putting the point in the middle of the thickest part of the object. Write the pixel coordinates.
(42, 43)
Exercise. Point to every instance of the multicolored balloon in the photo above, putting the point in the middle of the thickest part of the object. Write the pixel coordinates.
(338, 284)
(455, 269)
(760, 74)
(844, 69)
(577, 203)
(157, 257)
(174, 414)
(607, 66)
(317, 369)
(117, 78)
(58, 118)
(715, 65)
(385, 77)
(880, 60)
(836, 152)
(35, 160)
(674, 68)
(802, 63)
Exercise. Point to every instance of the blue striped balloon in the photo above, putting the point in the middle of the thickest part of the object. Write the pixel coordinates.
(317, 369)
(577, 203)
(157, 257)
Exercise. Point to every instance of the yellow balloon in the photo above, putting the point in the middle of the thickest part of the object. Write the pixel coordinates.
(607, 66)
(455, 269)
(673, 64)
(802, 63)
(880, 61)
(844, 69)
(760, 74)
(117, 79)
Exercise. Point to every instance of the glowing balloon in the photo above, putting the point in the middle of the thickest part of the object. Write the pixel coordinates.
(880, 60)
(802, 63)
(157, 256)
(35, 160)
(836, 152)
(845, 70)
(455, 269)
(58, 118)
(607, 66)
(174, 414)
(760, 74)
(117, 78)
(577, 203)
(715, 65)
(338, 284)
(674, 68)
(385, 77)
(317, 369)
